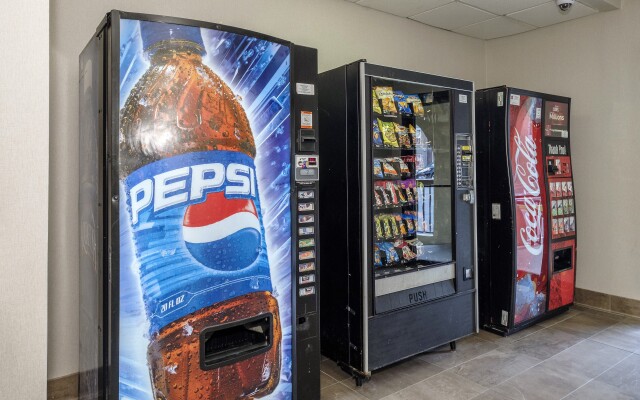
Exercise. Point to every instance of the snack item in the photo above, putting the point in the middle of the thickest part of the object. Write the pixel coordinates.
(412, 134)
(388, 169)
(378, 224)
(394, 225)
(554, 225)
(406, 252)
(378, 197)
(377, 136)
(403, 137)
(409, 220)
(554, 210)
(390, 252)
(386, 227)
(375, 103)
(571, 206)
(404, 169)
(385, 94)
(392, 192)
(415, 101)
(388, 133)
(407, 186)
(377, 260)
(377, 168)
(400, 193)
(401, 225)
(403, 106)
(560, 226)
(552, 189)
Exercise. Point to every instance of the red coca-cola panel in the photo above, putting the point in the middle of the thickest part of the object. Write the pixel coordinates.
(529, 190)
(563, 274)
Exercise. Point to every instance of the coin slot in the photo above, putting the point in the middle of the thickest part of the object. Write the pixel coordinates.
(229, 343)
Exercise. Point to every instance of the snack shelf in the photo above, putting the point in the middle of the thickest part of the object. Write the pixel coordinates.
(394, 206)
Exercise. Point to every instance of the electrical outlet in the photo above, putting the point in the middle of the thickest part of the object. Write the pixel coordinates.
(468, 273)
(505, 318)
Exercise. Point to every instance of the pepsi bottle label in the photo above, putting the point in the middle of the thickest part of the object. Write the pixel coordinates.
(198, 232)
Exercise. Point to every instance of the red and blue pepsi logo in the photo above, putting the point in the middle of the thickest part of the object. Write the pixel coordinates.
(223, 234)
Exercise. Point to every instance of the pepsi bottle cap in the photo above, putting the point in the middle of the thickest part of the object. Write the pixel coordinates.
(154, 32)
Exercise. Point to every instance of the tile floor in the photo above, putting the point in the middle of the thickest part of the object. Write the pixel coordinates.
(579, 355)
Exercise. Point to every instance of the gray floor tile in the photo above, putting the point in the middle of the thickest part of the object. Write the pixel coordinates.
(625, 376)
(540, 383)
(339, 391)
(444, 386)
(585, 324)
(395, 378)
(623, 335)
(596, 390)
(504, 340)
(495, 367)
(466, 349)
(326, 380)
(544, 344)
(570, 313)
(492, 395)
(332, 369)
(587, 358)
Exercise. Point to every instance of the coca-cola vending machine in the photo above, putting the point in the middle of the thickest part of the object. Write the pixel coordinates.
(198, 211)
(526, 208)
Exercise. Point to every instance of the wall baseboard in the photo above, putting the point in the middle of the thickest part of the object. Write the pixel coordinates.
(63, 388)
(607, 302)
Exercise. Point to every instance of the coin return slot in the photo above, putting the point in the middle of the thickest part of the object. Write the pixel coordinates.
(229, 343)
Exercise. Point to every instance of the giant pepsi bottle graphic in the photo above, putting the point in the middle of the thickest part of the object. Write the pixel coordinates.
(188, 180)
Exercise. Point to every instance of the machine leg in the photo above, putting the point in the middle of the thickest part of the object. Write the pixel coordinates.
(452, 345)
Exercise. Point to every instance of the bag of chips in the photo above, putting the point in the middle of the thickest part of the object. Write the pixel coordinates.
(401, 99)
(405, 250)
(407, 187)
(378, 224)
(394, 226)
(404, 169)
(412, 134)
(377, 136)
(403, 137)
(386, 227)
(388, 170)
(388, 133)
(377, 260)
(401, 225)
(385, 94)
(409, 220)
(375, 102)
(415, 101)
(377, 168)
(390, 252)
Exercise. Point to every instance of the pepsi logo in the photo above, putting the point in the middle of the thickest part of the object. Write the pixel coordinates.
(223, 234)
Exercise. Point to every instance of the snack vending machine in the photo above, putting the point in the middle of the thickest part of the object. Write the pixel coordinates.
(398, 172)
(526, 208)
(198, 213)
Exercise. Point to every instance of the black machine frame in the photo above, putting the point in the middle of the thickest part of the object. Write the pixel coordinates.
(352, 333)
(493, 122)
(305, 352)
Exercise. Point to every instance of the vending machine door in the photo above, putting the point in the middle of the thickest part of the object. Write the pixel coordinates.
(202, 160)
(411, 192)
(529, 199)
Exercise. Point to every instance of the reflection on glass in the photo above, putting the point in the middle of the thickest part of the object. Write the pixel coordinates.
(411, 191)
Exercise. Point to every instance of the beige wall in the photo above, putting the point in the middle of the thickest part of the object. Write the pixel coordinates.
(24, 166)
(341, 31)
(595, 61)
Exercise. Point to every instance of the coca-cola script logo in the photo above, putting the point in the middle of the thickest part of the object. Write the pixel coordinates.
(527, 174)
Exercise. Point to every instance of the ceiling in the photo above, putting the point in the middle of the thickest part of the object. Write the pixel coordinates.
(488, 19)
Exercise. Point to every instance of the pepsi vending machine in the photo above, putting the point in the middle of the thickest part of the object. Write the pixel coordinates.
(198, 211)
(526, 208)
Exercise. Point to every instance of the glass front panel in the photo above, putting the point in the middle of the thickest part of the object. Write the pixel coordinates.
(411, 190)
